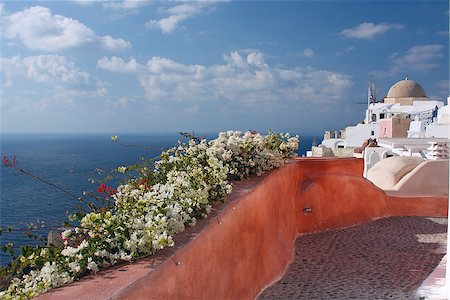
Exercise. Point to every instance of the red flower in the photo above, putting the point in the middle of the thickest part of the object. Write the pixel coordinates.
(106, 189)
(9, 163)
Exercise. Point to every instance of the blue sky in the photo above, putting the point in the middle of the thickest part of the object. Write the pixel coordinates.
(168, 66)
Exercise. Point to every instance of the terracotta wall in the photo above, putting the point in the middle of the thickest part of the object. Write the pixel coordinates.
(429, 206)
(247, 246)
(253, 243)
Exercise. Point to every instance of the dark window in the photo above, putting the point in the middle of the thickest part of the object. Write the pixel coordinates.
(382, 116)
(372, 132)
(374, 117)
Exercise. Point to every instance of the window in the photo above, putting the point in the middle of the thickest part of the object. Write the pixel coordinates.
(382, 116)
(374, 117)
(372, 132)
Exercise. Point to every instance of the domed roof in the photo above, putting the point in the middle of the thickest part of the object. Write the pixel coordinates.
(405, 89)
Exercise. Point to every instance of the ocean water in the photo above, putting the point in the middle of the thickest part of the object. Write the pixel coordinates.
(70, 161)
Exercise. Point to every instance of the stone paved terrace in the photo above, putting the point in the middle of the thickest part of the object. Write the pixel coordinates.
(383, 259)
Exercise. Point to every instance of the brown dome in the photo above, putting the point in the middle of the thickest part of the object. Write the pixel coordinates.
(406, 89)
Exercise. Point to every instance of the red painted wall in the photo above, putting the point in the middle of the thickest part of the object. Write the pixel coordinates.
(253, 244)
(248, 245)
(428, 206)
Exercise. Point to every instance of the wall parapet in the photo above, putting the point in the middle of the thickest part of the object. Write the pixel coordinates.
(246, 244)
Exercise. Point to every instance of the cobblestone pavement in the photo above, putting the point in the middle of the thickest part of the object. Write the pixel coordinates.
(384, 259)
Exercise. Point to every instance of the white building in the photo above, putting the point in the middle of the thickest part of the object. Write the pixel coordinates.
(440, 128)
(406, 108)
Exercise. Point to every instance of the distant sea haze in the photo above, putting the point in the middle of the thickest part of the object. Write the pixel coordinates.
(70, 161)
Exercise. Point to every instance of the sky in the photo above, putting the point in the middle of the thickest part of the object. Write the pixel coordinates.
(170, 66)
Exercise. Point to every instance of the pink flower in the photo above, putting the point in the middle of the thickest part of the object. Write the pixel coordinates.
(9, 163)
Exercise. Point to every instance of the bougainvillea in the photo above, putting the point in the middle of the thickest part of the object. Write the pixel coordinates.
(150, 207)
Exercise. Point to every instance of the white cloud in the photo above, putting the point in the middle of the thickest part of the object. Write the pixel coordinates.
(308, 52)
(369, 30)
(8, 68)
(44, 68)
(177, 14)
(244, 78)
(346, 50)
(50, 81)
(39, 29)
(86, 2)
(116, 9)
(443, 84)
(126, 4)
(117, 64)
(419, 58)
(121, 103)
(110, 43)
(47, 68)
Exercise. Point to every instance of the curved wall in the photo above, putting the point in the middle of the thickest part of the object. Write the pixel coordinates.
(237, 255)
(253, 243)
(249, 243)
(337, 201)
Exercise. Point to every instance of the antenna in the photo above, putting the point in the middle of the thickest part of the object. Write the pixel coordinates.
(372, 92)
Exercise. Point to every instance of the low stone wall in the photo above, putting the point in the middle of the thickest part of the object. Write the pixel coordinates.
(246, 245)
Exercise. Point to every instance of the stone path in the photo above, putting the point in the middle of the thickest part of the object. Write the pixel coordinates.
(384, 259)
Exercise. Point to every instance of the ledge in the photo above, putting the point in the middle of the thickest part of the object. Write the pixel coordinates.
(246, 244)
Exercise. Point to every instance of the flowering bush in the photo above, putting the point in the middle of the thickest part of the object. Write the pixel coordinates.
(150, 208)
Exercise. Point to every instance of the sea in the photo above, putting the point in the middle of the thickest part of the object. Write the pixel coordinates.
(74, 162)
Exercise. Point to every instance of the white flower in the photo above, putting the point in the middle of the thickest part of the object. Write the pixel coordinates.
(144, 220)
(66, 233)
(74, 267)
(92, 265)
